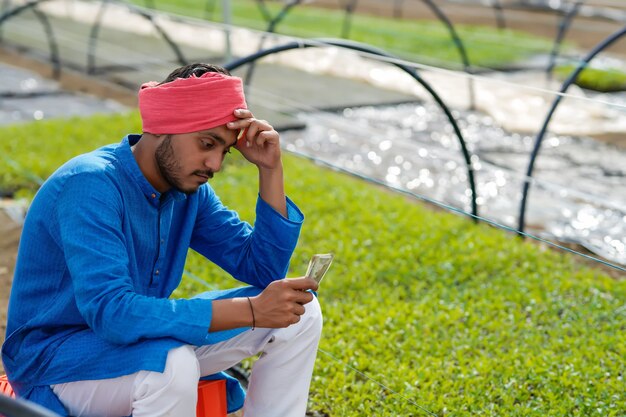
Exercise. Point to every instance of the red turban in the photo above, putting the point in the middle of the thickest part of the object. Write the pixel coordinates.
(188, 105)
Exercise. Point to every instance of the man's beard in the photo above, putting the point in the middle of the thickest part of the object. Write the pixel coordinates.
(170, 168)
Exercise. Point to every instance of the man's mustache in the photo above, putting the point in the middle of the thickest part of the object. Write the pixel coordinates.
(204, 173)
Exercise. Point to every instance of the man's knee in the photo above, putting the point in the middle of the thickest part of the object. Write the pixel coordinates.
(182, 372)
(313, 317)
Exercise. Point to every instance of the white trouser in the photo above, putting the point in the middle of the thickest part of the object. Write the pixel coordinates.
(278, 386)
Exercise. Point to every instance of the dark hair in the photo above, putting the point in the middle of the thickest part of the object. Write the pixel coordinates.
(196, 69)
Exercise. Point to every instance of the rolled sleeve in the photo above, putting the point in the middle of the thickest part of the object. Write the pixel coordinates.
(255, 255)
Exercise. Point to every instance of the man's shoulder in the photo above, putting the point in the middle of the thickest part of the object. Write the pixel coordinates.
(78, 181)
(100, 162)
(95, 161)
(86, 171)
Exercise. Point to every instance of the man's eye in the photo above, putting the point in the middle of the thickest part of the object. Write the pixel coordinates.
(207, 144)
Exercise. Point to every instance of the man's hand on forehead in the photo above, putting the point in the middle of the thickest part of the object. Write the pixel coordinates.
(257, 140)
(252, 131)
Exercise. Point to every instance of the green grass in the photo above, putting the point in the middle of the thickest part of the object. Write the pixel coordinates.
(424, 41)
(30, 152)
(460, 319)
(604, 80)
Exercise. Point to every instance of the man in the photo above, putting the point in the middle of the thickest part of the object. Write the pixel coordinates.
(91, 330)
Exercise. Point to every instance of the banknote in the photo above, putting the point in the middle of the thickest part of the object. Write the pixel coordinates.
(318, 266)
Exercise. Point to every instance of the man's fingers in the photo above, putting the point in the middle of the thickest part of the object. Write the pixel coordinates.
(243, 113)
(256, 127)
(253, 131)
(240, 124)
(270, 136)
(299, 309)
(302, 283)
(246, 119)
(302, 298)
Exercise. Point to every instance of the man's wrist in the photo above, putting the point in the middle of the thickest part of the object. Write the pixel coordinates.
(272, 188)
(252, 313)
(231, 313)
(270, 172)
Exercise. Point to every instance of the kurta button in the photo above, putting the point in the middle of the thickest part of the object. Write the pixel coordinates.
(153, 195)
(156, 272)
(162, 241)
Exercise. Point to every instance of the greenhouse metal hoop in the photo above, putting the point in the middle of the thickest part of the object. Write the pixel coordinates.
(341, 43)
(539, 139)
(43, 19)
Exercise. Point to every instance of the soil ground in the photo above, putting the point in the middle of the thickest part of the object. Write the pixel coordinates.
(9, 239)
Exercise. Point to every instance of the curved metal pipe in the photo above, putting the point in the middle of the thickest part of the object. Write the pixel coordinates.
(264, 10)
(370, 50)
(43, 19)
(397, 9)
(179, 55)
(436, 10)
(459, 45)
(270, 29)
(564, 25)
(6, 4)
(347, 18)
(209, 9)
(570, 80)
(93, 38)
(95, 30)
(499, 11)
(52, 44)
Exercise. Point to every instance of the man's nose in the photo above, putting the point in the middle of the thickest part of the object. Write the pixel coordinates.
(213, 162)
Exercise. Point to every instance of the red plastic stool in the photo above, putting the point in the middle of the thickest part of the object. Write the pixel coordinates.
(211, 397)
(5, 387)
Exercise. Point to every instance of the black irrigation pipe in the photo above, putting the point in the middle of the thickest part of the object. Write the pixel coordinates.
(564, 25)
(12, 407)
(95, 30)
(43, 19)
(231, 66)
(570, 80)
(273, 22)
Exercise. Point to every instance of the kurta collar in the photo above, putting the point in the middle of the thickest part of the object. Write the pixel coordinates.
(130, 166)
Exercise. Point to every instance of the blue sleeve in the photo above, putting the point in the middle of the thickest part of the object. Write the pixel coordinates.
(89, 213)
(256, 256)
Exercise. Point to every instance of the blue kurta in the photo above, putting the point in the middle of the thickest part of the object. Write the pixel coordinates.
(102, 250)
